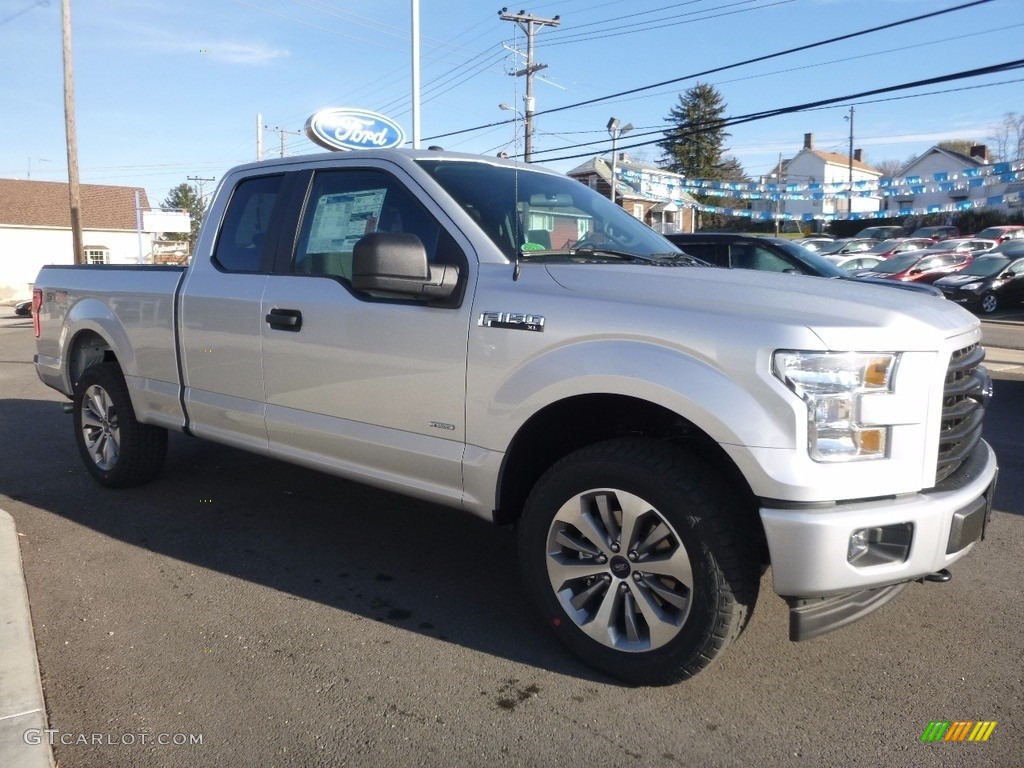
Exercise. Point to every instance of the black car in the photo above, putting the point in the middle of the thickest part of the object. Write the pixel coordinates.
(771, 254)
(991, 281)
(23, 308)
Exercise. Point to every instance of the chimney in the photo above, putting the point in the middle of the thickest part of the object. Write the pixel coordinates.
(980, 151)
(808, 141)
(857, 155)
(623, 157)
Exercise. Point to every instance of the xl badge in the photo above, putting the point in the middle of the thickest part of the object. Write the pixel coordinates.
(517, 321)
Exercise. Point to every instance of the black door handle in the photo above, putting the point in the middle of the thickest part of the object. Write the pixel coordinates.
(285, 319)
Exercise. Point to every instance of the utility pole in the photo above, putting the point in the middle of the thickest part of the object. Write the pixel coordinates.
(282, 132)
(415, 74)
(200, 181)
(778, 181)
(528, 23)
(259, 137)
(849, 204)
(72, 139)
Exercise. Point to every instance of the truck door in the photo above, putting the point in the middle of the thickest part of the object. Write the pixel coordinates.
(372, 387)
(220, 322)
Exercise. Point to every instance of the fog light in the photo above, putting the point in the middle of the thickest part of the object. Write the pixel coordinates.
(858, 545)
(880, 545)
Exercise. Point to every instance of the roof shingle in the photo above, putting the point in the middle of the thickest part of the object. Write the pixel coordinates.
(46, 204)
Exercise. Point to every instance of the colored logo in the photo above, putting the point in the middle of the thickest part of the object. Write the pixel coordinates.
(959, 730)
(353, 129)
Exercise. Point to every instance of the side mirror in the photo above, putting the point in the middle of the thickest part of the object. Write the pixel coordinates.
(916, 271)
(397, 263)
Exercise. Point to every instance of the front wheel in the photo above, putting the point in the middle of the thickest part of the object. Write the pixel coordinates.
(117, 450)
(635, 555)
(989, 303)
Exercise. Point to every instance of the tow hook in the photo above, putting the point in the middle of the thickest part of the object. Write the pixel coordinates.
(939, 577)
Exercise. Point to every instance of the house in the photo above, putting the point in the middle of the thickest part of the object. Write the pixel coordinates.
(651, 194)
(941, 177)
(35, 229)
(827, 178)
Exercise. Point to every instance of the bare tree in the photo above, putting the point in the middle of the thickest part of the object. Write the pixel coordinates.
(1008, 139)
(890, 168)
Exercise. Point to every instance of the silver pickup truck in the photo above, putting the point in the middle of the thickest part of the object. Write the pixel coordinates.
(502, 339)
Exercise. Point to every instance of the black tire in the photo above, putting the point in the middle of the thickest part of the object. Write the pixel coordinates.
(676, 594)
(117, 450)
(989, 303)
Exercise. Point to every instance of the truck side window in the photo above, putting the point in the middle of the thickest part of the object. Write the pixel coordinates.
(246, 222)
(344, 206)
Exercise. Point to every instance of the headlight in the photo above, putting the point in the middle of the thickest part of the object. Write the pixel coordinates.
(831, 384)
(970, 287)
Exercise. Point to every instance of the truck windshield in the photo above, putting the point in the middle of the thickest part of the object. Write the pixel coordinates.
(537, 214)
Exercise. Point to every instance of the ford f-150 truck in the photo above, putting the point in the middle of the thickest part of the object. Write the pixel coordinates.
(500, 338)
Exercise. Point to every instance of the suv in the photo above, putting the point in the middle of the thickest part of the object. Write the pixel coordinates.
(936, 233)
(768, 253)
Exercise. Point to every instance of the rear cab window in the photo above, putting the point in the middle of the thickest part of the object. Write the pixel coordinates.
(242, 241)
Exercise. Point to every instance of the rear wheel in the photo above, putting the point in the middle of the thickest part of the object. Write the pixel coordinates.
(117, 450)
(989, 303)
(635, 556)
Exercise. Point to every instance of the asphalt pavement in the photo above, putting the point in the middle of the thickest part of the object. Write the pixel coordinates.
(23, 721)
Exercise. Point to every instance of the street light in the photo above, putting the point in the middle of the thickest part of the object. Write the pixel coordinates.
(615, 131)
(510, 108)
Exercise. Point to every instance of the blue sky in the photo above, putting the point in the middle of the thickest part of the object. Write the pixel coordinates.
(168, 90)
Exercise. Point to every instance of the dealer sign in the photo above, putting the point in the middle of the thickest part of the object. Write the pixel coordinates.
(340, 128)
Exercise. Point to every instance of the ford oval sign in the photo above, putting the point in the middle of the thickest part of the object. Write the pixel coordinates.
(353, 129)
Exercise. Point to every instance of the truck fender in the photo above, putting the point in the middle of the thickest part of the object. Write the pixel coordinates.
(92, 315)
(724, 408)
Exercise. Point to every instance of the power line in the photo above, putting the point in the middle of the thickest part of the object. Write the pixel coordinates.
(764, 114)
(723, 68)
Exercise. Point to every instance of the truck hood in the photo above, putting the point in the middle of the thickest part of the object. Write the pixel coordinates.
(842, 313)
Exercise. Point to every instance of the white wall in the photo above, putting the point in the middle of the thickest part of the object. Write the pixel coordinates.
(926, 167)
(23, 250)
(806, 166)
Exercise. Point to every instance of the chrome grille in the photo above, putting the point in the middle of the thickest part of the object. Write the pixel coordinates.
(963, 409)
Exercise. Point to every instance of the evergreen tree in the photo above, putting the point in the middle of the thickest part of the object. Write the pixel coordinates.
(184, 197)
(694, 144)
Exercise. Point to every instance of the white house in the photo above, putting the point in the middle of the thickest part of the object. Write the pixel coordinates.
(937, 178)
(35, 229)
(827, 176)
(651, 194)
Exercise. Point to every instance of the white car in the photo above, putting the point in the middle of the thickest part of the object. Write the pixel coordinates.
(855, 262)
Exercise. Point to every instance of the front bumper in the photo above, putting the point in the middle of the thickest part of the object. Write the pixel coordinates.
(808, 545)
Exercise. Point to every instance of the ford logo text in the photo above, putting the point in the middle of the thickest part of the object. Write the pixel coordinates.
(353, 129)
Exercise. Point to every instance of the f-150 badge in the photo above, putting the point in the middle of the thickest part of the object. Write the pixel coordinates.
(517, 321)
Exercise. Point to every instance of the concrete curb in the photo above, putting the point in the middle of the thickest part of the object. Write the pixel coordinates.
(22, 710)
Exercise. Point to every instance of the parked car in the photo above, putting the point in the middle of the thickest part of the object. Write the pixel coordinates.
(919, 268)
(854, 262)
(882, 233)
(936, 233)
(767, 254)
(969, 244)
(889, 248)
(988, 283)
(23, 308)
(848, 245)
(1001, 234)
(814, 243)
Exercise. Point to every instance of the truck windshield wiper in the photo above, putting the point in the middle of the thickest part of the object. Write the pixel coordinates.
(617, 255)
